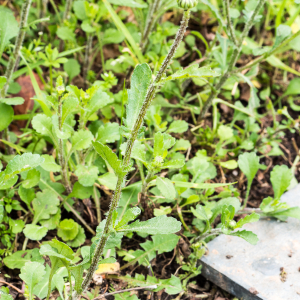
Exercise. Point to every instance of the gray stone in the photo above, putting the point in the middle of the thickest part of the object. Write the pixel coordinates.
(269, 270)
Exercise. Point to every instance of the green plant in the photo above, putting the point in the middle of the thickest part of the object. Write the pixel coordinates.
(86, 130)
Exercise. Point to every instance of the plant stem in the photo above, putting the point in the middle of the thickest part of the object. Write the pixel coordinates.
(144, 199)
(97, 204)
(61, 156)
(229, 23)
(234, 58)
(18, 45)
(205, 235)
(266, 55)
(115, 200)
(127, 290)
(67, 10)
(51, 79)
(86, 58)
(101, 50)
(69, 207)
(149, 23)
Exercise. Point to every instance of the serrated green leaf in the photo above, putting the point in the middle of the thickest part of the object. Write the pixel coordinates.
(254, 217)
(108, 133)
(166, 187)
(140, 81)
(20, 163)
(45, 204)
(178, 126)
(110, 157)
(35, 232)
(67, 229)
(157, 225)
(281, 177)
(32, 179)
(87, 175)
(81, 139)
(193, 71)
(130, 215)
(31, 274)
(6, 115)
(248, 236)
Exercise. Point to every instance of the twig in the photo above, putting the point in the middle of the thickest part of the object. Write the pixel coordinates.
(151, 287)
(12, 286)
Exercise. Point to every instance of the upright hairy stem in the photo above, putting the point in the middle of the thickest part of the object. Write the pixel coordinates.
(149, 23)
(229, 23)
(18, 45)
(61, 155)
(115, 200)
(67, 9)
(234, 58)
(86, 58)
(14, 59)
